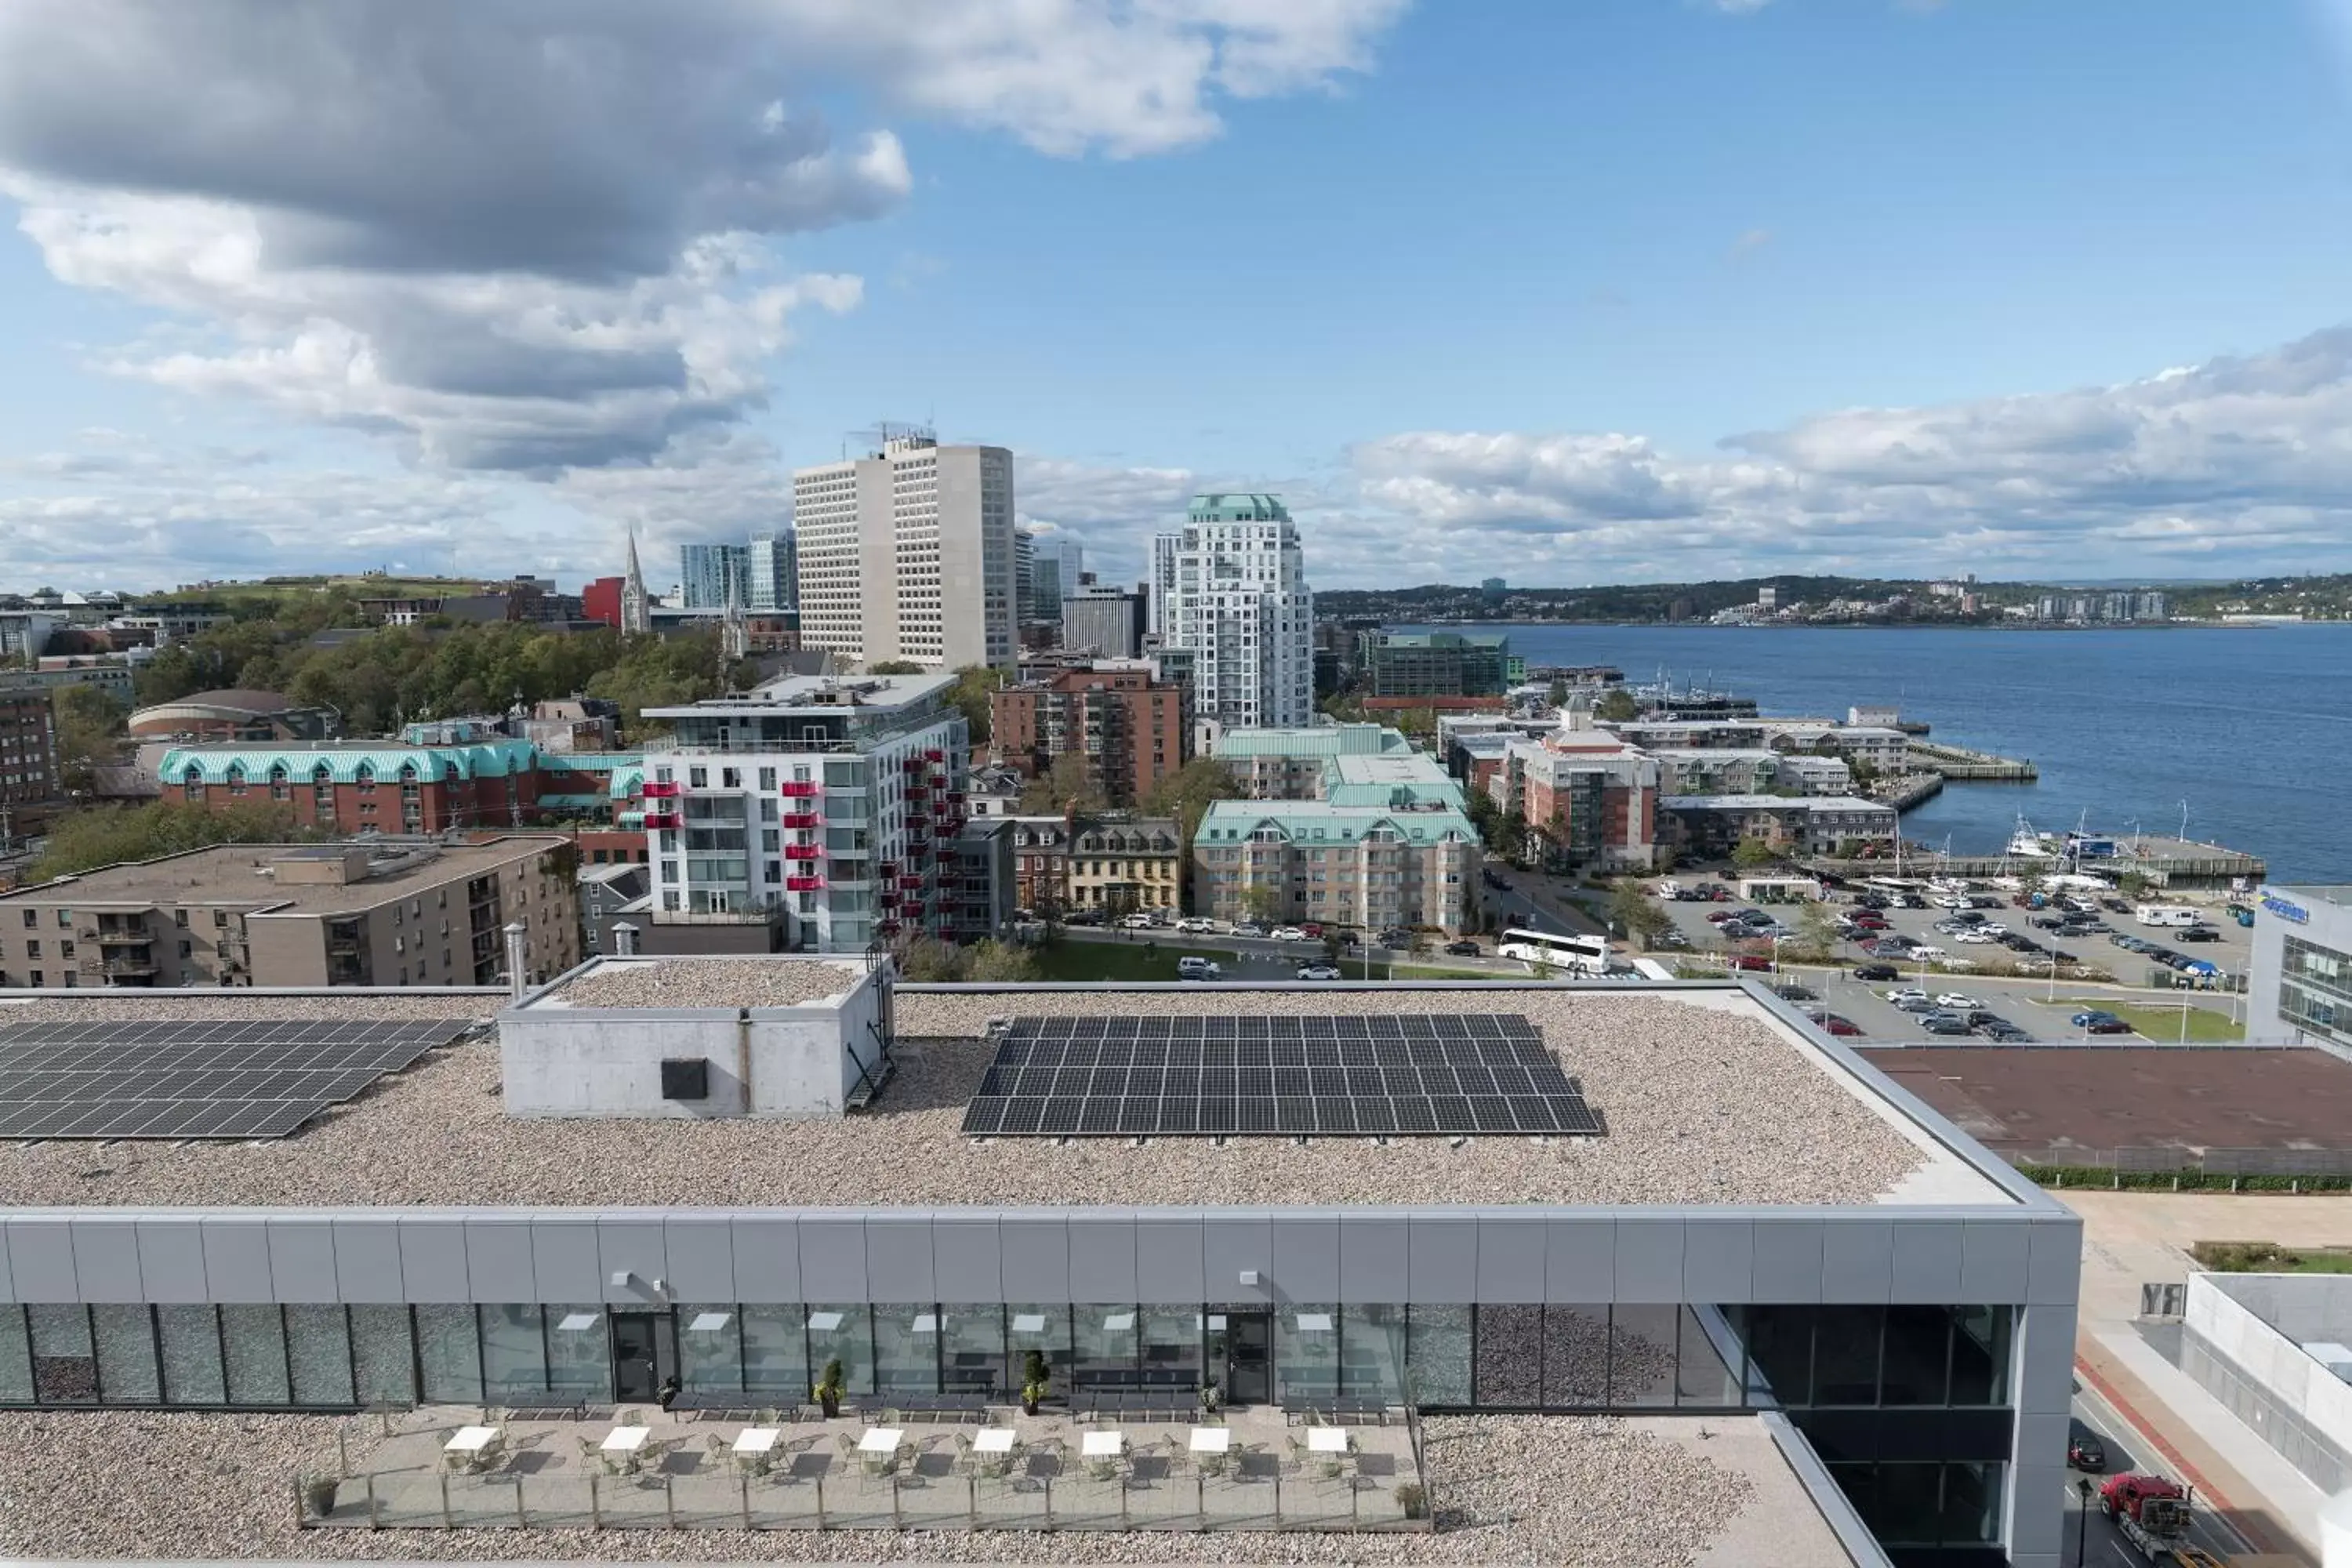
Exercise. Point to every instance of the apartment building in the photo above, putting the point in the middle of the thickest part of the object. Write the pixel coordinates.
(1370, 867)
(835, 801)
(713, 576)
(1884, 748)
(1717, 772)
(1591, 798)
(1433, 664)
(1809, 774)
(1132, 730)
(28, 745)
(385, 913)
(774, 576)
(1711, 825)
(420, 784)
(1231, 586)
(1113, 862)
(908, 554)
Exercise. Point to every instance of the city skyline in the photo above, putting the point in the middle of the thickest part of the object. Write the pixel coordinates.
(2020, 321)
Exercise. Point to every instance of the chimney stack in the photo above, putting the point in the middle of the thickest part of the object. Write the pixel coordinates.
(518, 979)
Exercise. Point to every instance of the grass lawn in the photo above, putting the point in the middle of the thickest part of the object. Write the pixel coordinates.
(1117, 960)
(2268, 1258)
(1411, 972)
(2163, 1023)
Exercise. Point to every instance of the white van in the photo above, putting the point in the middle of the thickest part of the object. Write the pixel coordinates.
(1197, 969)
(2165, 915)
(1670, 890)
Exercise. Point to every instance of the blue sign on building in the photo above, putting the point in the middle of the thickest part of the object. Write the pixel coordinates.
(2285, 911)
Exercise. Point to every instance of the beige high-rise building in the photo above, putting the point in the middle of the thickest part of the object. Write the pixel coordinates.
(908, 554)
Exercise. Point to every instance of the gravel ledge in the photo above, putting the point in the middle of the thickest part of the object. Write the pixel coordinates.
(1593, 1490)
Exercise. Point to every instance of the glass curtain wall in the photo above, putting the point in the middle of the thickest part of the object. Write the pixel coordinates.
(710, 1349)
(971, 1351)
(907, 1349)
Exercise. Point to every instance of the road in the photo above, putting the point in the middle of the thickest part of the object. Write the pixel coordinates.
(1254, 958)
(2102, 1544)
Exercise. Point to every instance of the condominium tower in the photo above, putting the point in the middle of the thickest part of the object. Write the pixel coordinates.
(1231, 586)
(714, 575)
(908, 554)
(775, 573)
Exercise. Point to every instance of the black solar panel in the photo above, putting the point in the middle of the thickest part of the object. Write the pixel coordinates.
(1343, 1076)
(221, 1078)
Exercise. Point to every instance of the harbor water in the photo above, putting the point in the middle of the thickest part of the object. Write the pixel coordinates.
(2252, 728)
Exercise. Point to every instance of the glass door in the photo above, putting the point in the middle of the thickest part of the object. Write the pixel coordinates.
(645, 1354)
(1249, 1355)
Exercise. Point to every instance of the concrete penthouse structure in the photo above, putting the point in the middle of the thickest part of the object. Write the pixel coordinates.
(1131, 731)
(418, 784)
(1231, 586)
(2299, 977)
(386, 913)
(1757, 1245)
(834, 801)
(234, 715)
(1593, 798)
(1433, 664)
(908, 554)
(2276, 1350)
(28, 743)
(1712, 825)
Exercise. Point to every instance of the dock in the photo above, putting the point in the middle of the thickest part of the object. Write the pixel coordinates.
(2162, 860)
(1904, 791)
(1959, 762)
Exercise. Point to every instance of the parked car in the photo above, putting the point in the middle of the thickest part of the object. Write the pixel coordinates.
(1467, 948)
(1878, 972)
(2197, 933)
(1797, 993)
(2086, 1453)
(1197, 969)
(1318, 972)
(1839, 1024)
(2114, 906)
(1718, 917)
(2098, 1021)
(1196, 923)
(1667, 938)
(1958, 999)
(1137, 922)
(2004, 1031)
(1312, 931)
(1249, 928)
(1944, 1023)
(1748, 960)
(1287, 934)
(1396, 936)
(1903, 993)
(1086, 917)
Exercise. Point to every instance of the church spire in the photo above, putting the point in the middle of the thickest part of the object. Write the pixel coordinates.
(636, 604)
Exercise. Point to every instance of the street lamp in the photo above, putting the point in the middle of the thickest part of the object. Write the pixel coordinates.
(2083, 1521)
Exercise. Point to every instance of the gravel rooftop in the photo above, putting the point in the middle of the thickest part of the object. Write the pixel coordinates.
(1706, 1104)
(704, 983)
(1587, 1490)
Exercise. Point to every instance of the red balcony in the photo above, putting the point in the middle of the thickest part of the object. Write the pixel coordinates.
(799, 789)
(804, 884)
(800, 819)
(935, 755)
(657, 821)
(953, 798)
(886, 869)
(658, 789)
(803, 852)
(911, 884)
(913, 764)
(888, 928)
(916, 792)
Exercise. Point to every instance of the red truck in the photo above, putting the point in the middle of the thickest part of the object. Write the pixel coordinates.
(2152, 1514)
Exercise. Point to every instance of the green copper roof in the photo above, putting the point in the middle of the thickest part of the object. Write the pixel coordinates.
(1319, 741)
(1311, 823)
(345, 763)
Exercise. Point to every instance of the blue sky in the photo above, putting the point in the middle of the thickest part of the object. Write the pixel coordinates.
(1621, 289)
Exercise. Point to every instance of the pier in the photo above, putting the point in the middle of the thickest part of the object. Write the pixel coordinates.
(1904, 791)
(1959, 762)
(2162, 861)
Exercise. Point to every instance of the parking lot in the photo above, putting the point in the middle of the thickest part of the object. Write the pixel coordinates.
(2039, 1005)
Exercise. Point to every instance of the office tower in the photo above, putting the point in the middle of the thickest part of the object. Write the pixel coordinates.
(773, 581)
(1234, 582)
(908, 554)
(1025, 572)
(1105, 622)
(1056, 569)
(707, 571)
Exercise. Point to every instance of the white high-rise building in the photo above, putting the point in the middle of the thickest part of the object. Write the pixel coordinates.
(1231, 586)
(908, 554)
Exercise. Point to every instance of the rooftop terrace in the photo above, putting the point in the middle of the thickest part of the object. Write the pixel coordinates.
(1708, 1097)
(260, 875)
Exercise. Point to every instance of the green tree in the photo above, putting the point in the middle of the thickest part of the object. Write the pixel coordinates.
(930, 962)
(1065, 785)
(1003, 963)
(1186, 793)
(1636, 913)
(1261, 901)
(1751, 853)
(108, 834)
(1616, 706)
(895, 667)
(975, 684)
(1816, 933)
(2131, 884)
(90, 733)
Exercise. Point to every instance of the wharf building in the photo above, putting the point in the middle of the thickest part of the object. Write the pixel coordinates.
(835, 802)
(386, 913)
(733, 1172)
(2299, 975)
(1230, 587)
(908, 554)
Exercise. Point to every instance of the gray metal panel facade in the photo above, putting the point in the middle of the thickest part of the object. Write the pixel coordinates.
(700, 1256)
(1858, 1260)
(832, 1257)
(1169, 1263)
(898, 1261)
(1579, 1260)
(767, 1260)
(1787, 1266)
(367, 1260)
(1649, 1259)
(1441, 1256)
(968, 1259)
(1234, 1242)
(41, 1262)
(1306, 1256)
(1511, 1258)
(106, 1260)
(1374, 1259)
(172, 1263)
(1718, 1260)
(302, 1261)
(1036, 1256)
(433, 1261)
(236, 1259)
(499, 1262)
(638, 1248)
(1102, 1256)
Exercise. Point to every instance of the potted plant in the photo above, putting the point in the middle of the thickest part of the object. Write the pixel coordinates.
(1035, 1381)
(1413, 1500)
(1211, 1399)
(317, 1494)
(828, 1389)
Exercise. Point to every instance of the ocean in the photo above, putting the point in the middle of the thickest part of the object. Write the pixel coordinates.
(2249, 730)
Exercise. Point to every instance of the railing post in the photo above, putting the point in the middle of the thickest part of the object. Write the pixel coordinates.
(1121, 1483)
(896, 1521)
(1201, 1498)
(743, 1485)
(820, 1502)
(298, 1504)
(374, 1522)
(595, 1504)
(522, 1519)
(342, 1451)
(1049, 1504)
(670, 1499)
(972, 1502)
(446, 1522)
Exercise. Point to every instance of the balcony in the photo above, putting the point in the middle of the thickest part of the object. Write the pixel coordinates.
(664, 821)
(911, 884)
(912, 764)
(113, 936)
(887, 928)
(660, 790)
(800, 789)
(916, 792)
(800, 819)
(129, 967)
(935, 755)
(803, 884)
(803, 852)
(953, 798)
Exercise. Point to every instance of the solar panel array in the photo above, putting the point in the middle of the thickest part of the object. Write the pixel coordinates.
(221, 1078)
(1356, 1075)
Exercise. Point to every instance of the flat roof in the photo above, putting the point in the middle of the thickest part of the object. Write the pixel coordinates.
(227, 873)
(760, 981)
(1709, 1097)
(2073, 1100)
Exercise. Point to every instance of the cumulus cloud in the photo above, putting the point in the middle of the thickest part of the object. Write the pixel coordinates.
(540, 235)
(2248, 454)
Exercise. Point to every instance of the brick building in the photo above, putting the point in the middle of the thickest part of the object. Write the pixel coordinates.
(1593, 798)
(384, 914)
(1133, 731)
(28, 745)
(390, 786)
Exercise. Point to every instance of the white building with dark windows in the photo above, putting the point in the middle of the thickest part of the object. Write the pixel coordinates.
(833, 801)
(1230, 587)
(909, 554)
